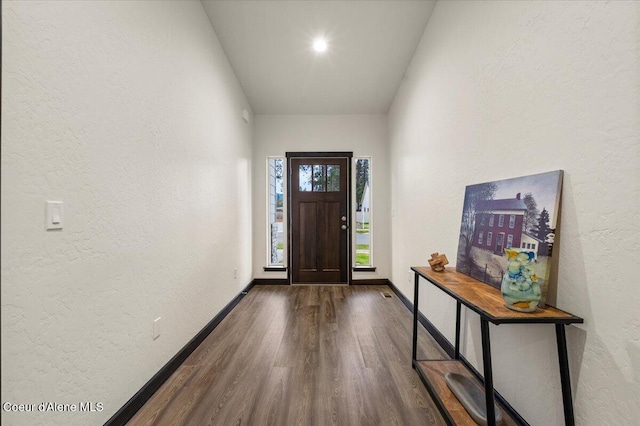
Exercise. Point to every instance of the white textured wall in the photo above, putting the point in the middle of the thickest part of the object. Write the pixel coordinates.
(130, 114)
(365, 135)
(504, 89)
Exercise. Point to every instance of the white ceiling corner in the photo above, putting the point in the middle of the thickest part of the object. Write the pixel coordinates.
(268, 44)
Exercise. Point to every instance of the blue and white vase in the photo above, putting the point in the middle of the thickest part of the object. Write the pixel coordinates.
(520, 287)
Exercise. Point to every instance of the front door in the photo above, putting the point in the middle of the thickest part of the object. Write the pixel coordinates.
(319, 217)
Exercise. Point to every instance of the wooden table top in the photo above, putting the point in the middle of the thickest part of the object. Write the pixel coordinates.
(487, 300)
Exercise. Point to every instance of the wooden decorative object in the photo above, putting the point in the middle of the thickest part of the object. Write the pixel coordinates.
(438, 261)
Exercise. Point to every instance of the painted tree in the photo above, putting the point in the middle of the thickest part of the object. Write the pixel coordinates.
(531, 216)
(474, 195)
(541, 232)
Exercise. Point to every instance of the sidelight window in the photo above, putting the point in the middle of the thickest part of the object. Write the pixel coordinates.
(275, 206)
(364, 223)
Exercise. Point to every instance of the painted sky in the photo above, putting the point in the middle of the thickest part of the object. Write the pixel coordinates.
(543, 186)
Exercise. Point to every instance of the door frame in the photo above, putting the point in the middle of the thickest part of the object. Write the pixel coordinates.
(313, 154)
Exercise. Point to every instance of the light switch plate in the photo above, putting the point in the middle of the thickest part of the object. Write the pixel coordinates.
(156, 328)
(54, 215)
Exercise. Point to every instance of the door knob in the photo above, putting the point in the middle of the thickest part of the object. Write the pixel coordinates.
(344, 218)
(344, 226)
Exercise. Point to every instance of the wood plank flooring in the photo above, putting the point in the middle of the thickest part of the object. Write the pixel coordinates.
(302, 355)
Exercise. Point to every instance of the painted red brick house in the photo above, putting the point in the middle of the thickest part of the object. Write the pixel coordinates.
(499, 224)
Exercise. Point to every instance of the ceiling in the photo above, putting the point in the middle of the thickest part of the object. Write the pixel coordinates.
(269, 46)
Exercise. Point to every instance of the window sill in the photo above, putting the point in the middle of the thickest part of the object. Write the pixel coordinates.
(275, 268)
(364, 269)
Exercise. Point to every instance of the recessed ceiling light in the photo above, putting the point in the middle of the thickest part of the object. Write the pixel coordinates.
(319, 45)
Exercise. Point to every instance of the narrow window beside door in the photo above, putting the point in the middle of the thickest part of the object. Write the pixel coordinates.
(363, 240)
(275, 201)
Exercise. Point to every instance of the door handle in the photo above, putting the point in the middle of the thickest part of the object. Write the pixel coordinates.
(344, 226)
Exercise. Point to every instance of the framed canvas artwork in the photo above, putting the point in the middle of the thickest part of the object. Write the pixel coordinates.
(511, 214)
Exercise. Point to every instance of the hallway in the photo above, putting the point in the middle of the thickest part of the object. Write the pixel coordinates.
(302, 355)
(138, 203)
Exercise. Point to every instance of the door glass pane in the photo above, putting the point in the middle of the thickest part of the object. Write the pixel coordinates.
(319, 178)
(333, 178)
(304, 177)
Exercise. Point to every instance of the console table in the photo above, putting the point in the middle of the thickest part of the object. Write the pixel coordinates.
(487, 302)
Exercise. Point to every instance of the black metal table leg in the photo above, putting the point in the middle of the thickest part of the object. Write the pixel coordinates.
(456, 354)
(415, 317)
(565, 381)
(488, 373)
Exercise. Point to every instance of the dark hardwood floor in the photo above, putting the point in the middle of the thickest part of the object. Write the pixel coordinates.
(302, 355)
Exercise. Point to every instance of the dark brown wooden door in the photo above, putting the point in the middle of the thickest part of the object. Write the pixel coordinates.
(319, 220)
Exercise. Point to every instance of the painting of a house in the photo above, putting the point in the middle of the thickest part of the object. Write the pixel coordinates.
(513, 213)
(500, 224)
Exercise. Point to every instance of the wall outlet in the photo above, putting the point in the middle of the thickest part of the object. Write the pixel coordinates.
(156, 328)
(410, 276)
(235, 273)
